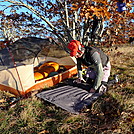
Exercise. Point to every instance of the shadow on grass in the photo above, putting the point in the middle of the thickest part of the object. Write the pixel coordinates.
(102, 115)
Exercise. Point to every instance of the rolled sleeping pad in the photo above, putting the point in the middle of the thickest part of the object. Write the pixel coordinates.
(44, 70)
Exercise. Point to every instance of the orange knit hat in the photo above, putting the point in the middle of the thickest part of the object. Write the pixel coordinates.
(75, 46)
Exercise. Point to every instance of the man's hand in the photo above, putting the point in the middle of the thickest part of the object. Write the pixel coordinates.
(92, 90)
(79, 80)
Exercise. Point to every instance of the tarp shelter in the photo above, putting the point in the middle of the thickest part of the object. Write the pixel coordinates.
(17, 63)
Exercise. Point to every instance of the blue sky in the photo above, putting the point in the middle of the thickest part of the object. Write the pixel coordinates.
(3, 6)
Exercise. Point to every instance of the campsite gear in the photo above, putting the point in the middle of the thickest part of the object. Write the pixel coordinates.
(44, 70)
(17, 62)
(70, 98)
(74, 98)
(52, 74)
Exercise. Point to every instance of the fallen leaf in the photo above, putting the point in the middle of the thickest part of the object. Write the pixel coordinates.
(43, 132)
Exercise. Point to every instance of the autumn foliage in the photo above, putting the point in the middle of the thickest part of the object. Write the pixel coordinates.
(66, 20)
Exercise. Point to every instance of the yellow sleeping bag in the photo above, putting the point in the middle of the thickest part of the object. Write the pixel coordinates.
(44, 70)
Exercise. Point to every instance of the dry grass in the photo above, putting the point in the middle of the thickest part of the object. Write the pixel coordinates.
(110, 114)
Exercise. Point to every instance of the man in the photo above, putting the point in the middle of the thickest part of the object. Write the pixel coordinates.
(91, 57)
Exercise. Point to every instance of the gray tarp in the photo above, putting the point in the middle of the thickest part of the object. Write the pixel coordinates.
(70, 98)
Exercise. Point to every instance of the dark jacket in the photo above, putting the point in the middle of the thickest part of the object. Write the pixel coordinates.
(93, 57)
(89, 59)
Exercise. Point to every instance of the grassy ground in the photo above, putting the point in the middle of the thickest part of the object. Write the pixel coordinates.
(113, 113)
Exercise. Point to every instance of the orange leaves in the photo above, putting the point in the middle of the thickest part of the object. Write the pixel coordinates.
(88, 11)
(130, 15)
(75, 7)
(97, 11)
(82, 14)
(87, 15)
(106, 14)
